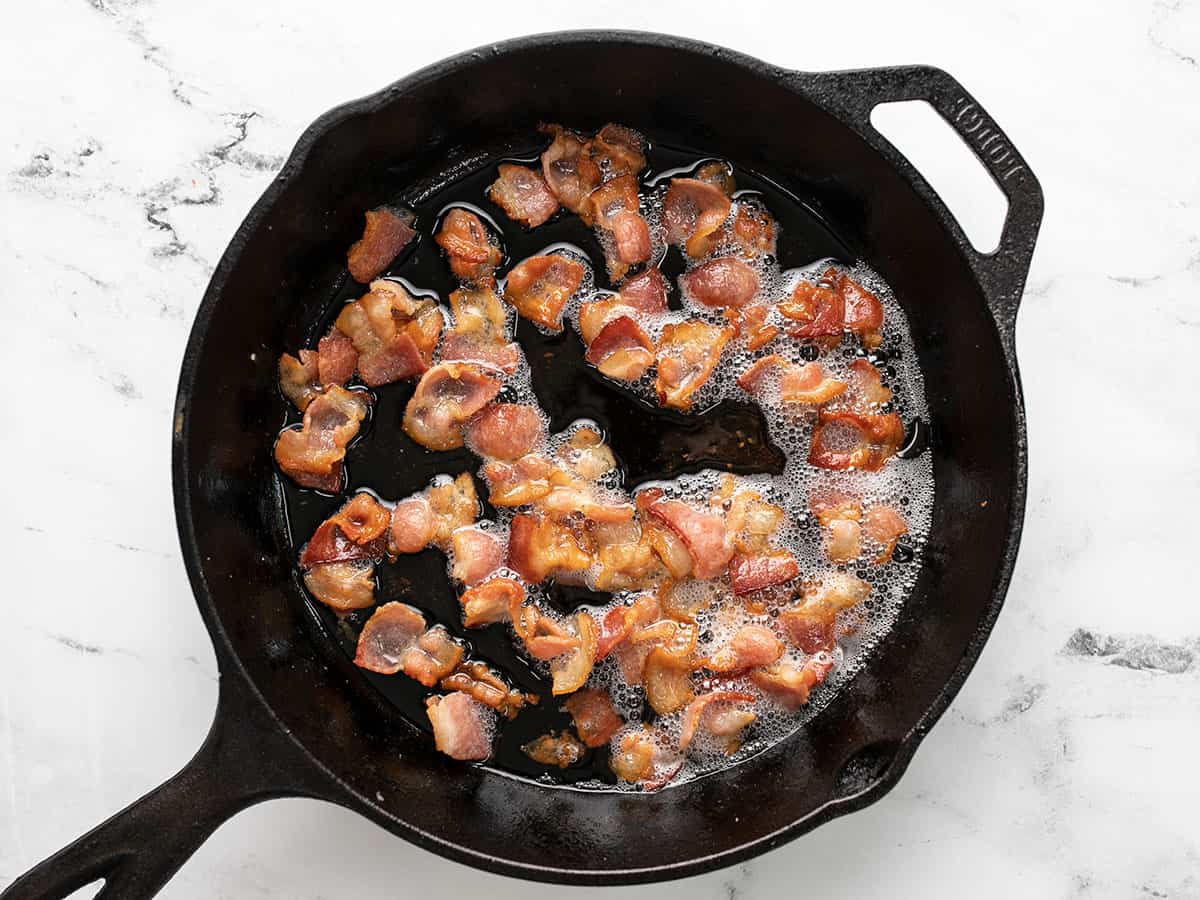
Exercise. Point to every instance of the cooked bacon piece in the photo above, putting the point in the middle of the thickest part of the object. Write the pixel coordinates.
(694, 211)
(884, 525)
(540, 286)
(753, 573)
(751, 645)
(699, 713)
(388, 635)
(703, 533)
(621, 621)
(685, 357)
(312, 455)
(614, 210)
(863, 311)
(614, 151)
(491, 601)
(848, 440)
(460, 726)
(336, 358)
(586, 454)
(830, 507)
(749, 519)
(476, 553)
(751, 324)
(567, 499)
(356, 531)
(670, 549)
(791, 684)
(595, 313)
(810, 625)
(342, 586)
(454, 505)
(412, 525)
(809, 383)
(299, 379)
(477, 680)
(625, 558)
(817, 311)
(543, 637)
(505, 431)
(434, 656)
(596, 721)
(621, 350)
(523, 195)
(668, 681)
(470, 248)
(518, 483)
(479, 333)
(571, 670)
(646, 291)
(726, 281)
(538, 547)
(502, 355)
(719, 174)
(633, 759)
(839, 517)
(868, 384)
(387, 232)
(552, 749)
(446, 397)
(394, 333)
(754, 228)
(562, 171)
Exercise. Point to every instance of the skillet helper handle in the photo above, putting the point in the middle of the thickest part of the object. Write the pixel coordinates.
(245, 759)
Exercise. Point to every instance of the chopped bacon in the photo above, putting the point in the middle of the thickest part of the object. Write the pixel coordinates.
(446, 397)
(356, 531)
(830, 507)
(336, 358)
(388, 635)
(539, 287)
(816, 309)
(809, 383)
(845, 540)
(751, 645)
(810, 625)
(625, 558)
(479, 333)
(505, 431)
(477, 680)
(614, 211)
(754, 228)
(596, 721)
(570, 671)
(703, 533)
(538, 546)
(595, 313)
(518, 483)
(491, 601)
(868, 384)
(694, 211)
(454, 505)
(552, 749)
(312, 455)
(563, 500)
(434, 656)
(561, 168)
(726, 281)
(620, 622)
(586, 454)
(615, 150)
(667, 680)
(646, 291)
(543, 637)
(342, 586)
(412, 525)
(633, 759)
(477, 554)
(848, 440)
(460, 726)
(621, 350)
(749, 519)
(468, 245)
(753, 573)
(863, 311)
(523, 195)
(694, 716)
(299, 379)
(685, 358)
(387, 232)
(790, 684)
(719, 174)
(751, 324)
(394, 333)
(884, 525)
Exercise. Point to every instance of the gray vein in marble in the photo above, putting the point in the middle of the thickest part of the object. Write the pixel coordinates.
(1141, 652)
(1164, 11)
(1134, 281)
(134, 30)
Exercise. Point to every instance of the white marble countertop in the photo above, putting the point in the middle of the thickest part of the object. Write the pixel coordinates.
(138, 132)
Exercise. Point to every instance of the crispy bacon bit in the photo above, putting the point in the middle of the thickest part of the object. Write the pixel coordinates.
(479, 333)
(342, 586)
(596, 721)
(848, 440)
(633, 759)
(570, 671)
(751, 645)
(412, 525)
(753, 326)
(538, 546)
(518, 483)
(586, 454)
(387, 232)
(614, 151)
(863, 311)
(685, 358)
(620, 622)
(595, 313)
(868, 384)
(505, 431)
(817, 311)
(790, 684)
(749, 519)
(668, 681)
(434, 656)
(477, 680)
(394, 333)
(719, 174)
(552, 749)
(565, 500)
(491, 601)
(695, 716)
(312, 455)
(446, 397)
(753, 573)
(754, 228)
(454, 505)
(539, 287)
(477, 554)
(523, 195)
(543, 637)
(615, 211)
(336, 358)
(562, 171)
(809, 383)
(694, 211)
(703, 533)
(468, 245)
(646, 291)
(884, 525)
(726, 281)
(388, 635)
(625, 558)
(299, 379)
(356, 531)
(621, 350)
(460, 726)
(810, 626)
(845, 540)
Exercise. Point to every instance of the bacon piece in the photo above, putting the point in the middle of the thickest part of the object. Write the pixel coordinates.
(816, 309)
(625, 559)
(868, 384)
(476, 554)
(552, 749)
(694, 211)
(668, 682)
(839, 517)
(884, 525)
(460, 726)
(434, 656)
(863, 311)
(394, 333)
(523, 195)
(454, 505)
(491, 601)
(538, 547)
(625, 235)
(446, 397)
(540, 286)
(561, 168)
(848, 440)
(809, 383)
(356, 531)
(621, 621)
(749, 519)
(726, 281)
(719, 174)
(754, 228)
(565, 500)
(336, 358)
(342, 586)
(570, 671)
(615, 150)
(596, 721)
(477, 680)
(518, 483)
(753, 573)
(479, 333)
(703, 533)
(646, 291)
(586, 455)
(312, 455)
(810, 625)
(695, 715)
(468, 244)
(633, 760)
(685, 358)
(505, 431)
(543, 637)
(750, 646)
(621, 350)
(412, 525)
(387, 636)
(594, 314)
(790, 684)
(387, 232)
(751, 324)
(299, 380)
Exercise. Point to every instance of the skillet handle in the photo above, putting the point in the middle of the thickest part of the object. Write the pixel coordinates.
(1002, 272)
(245, 759)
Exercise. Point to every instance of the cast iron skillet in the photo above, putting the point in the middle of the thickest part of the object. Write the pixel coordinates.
(288, 722)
